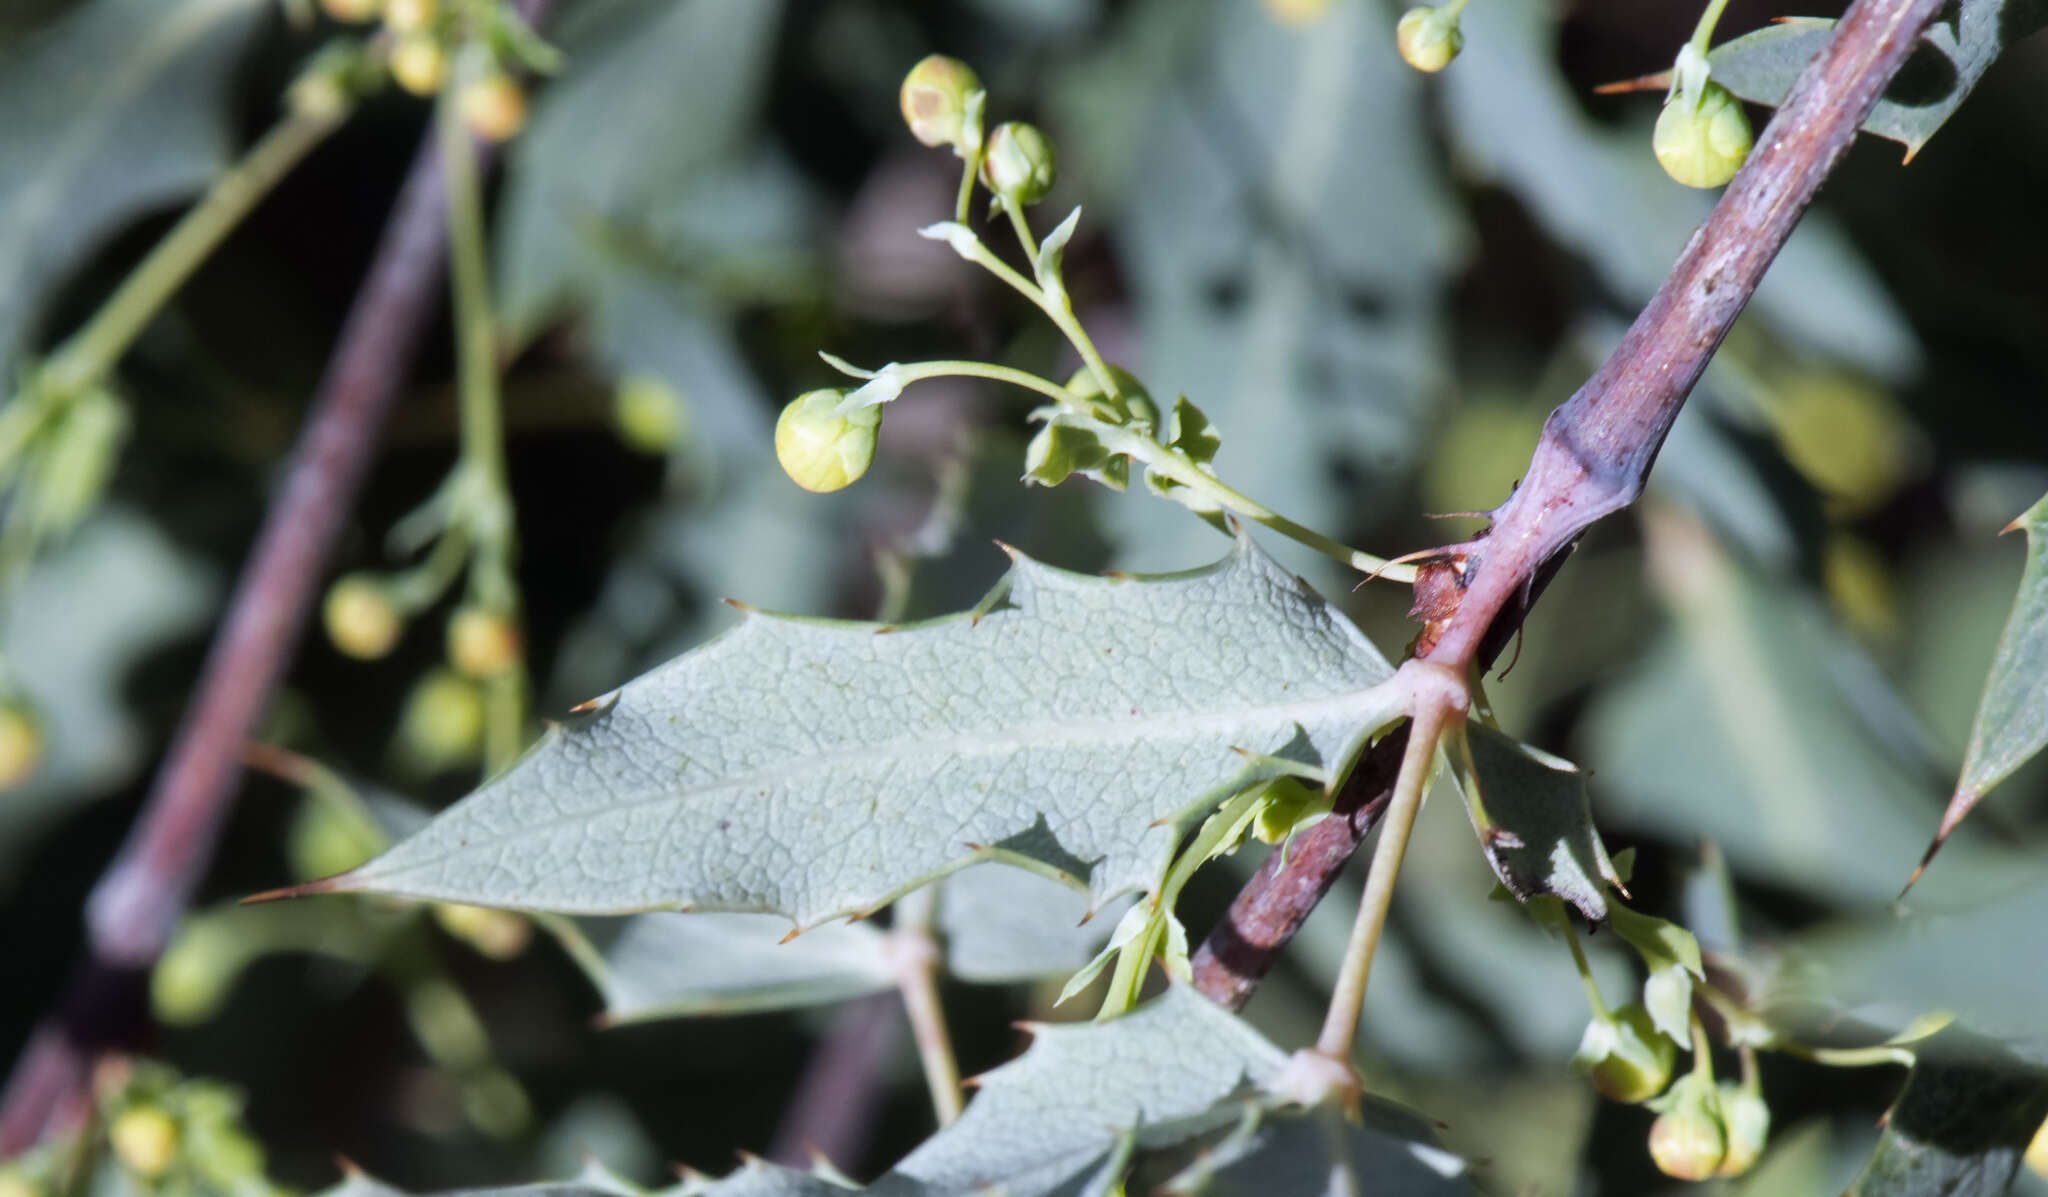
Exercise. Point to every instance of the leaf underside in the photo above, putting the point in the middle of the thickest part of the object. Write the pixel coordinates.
(1001, 924)
(1952, 55)
(815, 769)
(1534, 821)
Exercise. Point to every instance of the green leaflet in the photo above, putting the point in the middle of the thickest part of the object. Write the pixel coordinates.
(816, 769)
(117, 109)
(2012, 719)
(1953, 54)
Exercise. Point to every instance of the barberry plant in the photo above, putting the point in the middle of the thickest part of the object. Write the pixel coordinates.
(1032, 787)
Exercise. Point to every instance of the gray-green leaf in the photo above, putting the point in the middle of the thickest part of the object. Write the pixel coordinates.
(1962, 1125)
(2012, 719)
(117, 109)
(1003, 924)
(1945, 66)
(663, 965)
(1534, 822)
(1089, 1101)
(814, 769)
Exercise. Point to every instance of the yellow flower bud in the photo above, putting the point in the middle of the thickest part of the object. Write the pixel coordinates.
(493, 106)
(1703, 143)
(1019, 163)
(648, 415)
(21, 742)
(934, 99)
(361, 619)
(483, 643)
(1688, 1141)
(820, 449)
(409, 16)
(146, 1140)
(1748, 1121)
(443, 722)
(1626, 1057)
(418, 63)
(1428, 38)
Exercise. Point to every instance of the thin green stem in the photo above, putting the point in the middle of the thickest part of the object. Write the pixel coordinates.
(1593, 1000)
(964, 202)
(1132, 963)
(421, 586)
(920, 371)
(1023, 228)
(90, 353)
(1347, 999)
(504, 719)
(1060, 313)
(1702, 1051)
(485, 509)
(1167, 462)
(1703, 32)
(1134, 960)
(916, 959)
(1177, 467)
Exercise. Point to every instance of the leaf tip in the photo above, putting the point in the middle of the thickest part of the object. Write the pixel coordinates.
(742, 607)
(1964, 800)
(1661, 81)
(592, 705)
(325, 885)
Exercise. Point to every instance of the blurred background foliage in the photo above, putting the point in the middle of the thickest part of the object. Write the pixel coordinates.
(1374, 284)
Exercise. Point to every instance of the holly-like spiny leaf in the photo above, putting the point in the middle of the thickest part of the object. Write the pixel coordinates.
(1090, 1103)
(1945, 66)
(2012, 719)
(1962, 1125)
(815, 769)
(1534, 823)
(1172, 1091)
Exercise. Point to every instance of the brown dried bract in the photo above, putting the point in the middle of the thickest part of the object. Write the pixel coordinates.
(1439, 588)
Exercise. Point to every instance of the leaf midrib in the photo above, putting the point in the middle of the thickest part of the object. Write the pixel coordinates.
(1038, 735)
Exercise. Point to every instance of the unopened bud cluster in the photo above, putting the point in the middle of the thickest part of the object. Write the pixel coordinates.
(825, 439)
(423, 38)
